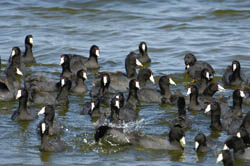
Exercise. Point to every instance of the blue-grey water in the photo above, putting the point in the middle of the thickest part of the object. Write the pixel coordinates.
(216, 31)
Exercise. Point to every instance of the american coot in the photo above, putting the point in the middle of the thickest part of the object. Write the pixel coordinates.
(144, 75)
(238, 96)
(240, 152)
(28, 54)
(116, 135)
(47, 145)
(224, 117)
(194, 67)
(149, 95)
(78, 86)
(110, 118)
(94, 110)
(115, 106)
(236, 109)
(128, 111)
(66, 70)
(23, 112)
(52, 98)
(9, 86)
(15, 61)
(102, 90)
(54, 125)
(233, 75)
(102, 86)
(211, 89)
(143, 53)
(215, 109)
(91, 108)
(242, 133)
(201, 143)
(119, 80)
(43, 83)
(205, 78)
(194, 103)
(175, 141)
(182, 118)
(226, 157)
(78, 62)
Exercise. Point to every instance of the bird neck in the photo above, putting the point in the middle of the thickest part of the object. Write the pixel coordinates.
(28, 51)
(215, 122)
(236, 75)
(194, 99)
(132, 96)
(22, 107)
(165, 91)
(63, 93)
(93, 58)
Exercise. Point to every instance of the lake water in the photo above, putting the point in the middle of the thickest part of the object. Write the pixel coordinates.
(216, 31)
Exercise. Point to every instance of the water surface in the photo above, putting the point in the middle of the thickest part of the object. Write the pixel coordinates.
(215, 31)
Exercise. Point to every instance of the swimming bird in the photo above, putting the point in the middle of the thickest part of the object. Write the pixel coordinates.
(28, 54)
(10, 85)
(143, 53)
(194, 67)
(78, 62)
(182, 118)
(119, 80)
(50, 145)
(23, 112)
(150, 95)
(233, 75)
(52, 98)
(54, 125)
(226, 157)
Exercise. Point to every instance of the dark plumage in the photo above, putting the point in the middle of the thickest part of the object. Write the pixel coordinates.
(10, 85)
(242, 133)
(175, 141)
(23, 112)
(128, 111)
(119, 80)
(182, 118)
(144, 75)
(204, 80)
(54, 125)
(226, 157)
(194, 103)
(66, 69)
(52, 98)
(211, 89)
(201, 143)
(194, 67)
(78, 62)
(47, 145)
(143, 53)
(226, 118)
(240, 151)
(233, 75)
(15, 61)
(150, 95)
(28, 54)
(78, 86)
(246, 122)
